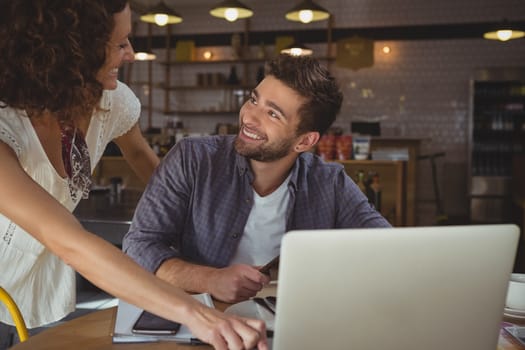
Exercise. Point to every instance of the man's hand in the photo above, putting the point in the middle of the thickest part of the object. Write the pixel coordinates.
(236, 283)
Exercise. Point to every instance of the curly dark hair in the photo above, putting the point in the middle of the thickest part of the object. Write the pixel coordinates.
(51, 53)
(307, 77)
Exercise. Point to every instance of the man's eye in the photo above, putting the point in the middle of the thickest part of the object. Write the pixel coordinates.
(273, 114)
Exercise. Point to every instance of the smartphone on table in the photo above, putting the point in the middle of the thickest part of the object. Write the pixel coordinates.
(149, 323)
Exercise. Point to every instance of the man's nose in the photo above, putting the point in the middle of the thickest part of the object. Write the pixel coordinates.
(250, 114)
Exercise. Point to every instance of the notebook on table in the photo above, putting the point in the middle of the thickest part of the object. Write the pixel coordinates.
(128, 329)
(429, 288)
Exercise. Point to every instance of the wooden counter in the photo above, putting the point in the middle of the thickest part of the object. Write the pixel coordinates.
(393, 181)
(109, 167)
(413, 146)
(116, 166)
(397, 196)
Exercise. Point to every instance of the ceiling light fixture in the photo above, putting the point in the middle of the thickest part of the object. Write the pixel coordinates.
(145, 55)
(142, 47)
(504, 34)
(297, 49)
(161, 15)
(231, 10)
(307, 11)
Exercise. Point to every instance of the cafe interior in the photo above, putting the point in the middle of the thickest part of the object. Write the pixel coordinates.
(434, 99)
(432, 126)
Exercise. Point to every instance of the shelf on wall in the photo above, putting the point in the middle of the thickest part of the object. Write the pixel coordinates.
(172, 62)
(171, 112)
(204, 87)
(235, 61)
(225, 61)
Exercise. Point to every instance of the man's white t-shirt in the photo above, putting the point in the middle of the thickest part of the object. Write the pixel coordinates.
(261, 240)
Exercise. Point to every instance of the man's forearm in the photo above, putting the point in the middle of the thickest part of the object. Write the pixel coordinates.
(190, 277)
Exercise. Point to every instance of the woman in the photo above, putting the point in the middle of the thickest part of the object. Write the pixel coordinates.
(61, 104)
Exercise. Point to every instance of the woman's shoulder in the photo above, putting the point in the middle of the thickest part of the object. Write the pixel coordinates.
(121, 97)
(119, 110)
(12, 119)
(123, 90)
(12, 128)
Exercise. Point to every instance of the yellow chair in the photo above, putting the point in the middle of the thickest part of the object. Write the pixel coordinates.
(15, 314)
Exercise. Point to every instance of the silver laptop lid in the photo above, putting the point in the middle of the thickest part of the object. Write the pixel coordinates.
(401, 288)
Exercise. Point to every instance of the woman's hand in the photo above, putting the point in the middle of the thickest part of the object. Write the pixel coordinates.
(224, 331)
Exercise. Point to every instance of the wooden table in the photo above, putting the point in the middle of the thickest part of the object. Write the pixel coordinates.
(93, 332)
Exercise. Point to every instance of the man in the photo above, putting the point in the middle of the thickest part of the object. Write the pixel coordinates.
(217, 207)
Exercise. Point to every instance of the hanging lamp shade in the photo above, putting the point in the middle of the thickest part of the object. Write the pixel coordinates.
(231, 10)
(161, 14)
(297, 49)
(504, 34)
(142, 48)
(307, 11)
(145, 55)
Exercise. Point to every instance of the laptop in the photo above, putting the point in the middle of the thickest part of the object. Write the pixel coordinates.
(431, 288)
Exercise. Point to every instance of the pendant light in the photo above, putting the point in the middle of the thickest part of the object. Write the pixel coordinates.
(297, 49)
(504, 31)
(307, 11)
(231, 10)
(161, 14)
(142, 45)
(145, 55)
(504, 34)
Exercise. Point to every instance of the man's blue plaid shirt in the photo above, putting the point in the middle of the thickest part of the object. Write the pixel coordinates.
(199, 198)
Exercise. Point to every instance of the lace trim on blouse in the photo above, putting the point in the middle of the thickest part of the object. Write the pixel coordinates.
(7, 137)
(75, 156)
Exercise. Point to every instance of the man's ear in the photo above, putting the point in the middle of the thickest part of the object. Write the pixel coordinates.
(307, 141)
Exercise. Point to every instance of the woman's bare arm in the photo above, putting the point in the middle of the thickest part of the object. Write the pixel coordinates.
(38, 213)
(138, 153)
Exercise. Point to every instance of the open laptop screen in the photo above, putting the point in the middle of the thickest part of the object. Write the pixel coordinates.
(398, 288)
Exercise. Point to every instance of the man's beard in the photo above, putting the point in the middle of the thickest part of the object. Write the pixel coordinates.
(263, 152)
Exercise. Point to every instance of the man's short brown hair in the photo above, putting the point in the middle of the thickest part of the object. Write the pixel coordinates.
(308, 78)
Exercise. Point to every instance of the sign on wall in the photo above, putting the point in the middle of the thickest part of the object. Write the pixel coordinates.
(355, 53)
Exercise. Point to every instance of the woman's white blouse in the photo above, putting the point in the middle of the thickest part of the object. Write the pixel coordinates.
(41, 284)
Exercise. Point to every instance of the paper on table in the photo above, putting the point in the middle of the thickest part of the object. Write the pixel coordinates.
(128, 314)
